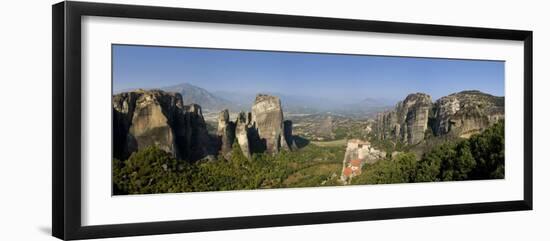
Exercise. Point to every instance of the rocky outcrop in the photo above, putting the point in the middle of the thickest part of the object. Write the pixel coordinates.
(466, 113)
(267, 115)
(144, 118)
(226, 133)
(408, 122)
(242, 133)
(123, 112)
(460, 114)
(287, 134)
(198, 145)
(259, 131)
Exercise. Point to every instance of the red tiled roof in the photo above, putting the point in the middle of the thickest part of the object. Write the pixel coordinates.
(356, 163)
(347, 171)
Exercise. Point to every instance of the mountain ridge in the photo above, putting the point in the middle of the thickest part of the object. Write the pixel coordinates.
(197, 95)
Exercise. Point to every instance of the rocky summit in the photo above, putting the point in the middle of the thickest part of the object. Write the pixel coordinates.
(267, 115)
(244, 131)
(261, 130)
(143, 118)
(407, 122)
(466, 113)
(226, 133)
(460, 114)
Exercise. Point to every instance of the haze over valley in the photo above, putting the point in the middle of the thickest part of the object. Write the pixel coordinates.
(340, 143)
(259, 119)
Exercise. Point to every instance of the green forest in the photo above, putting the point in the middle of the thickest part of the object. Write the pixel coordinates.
(152, 170)
(479, 157)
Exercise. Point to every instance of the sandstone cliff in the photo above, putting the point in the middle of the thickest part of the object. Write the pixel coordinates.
(242, 133)
(261, 130)
(466, 113)
(267, 115)
(152, 117)
(407, 122)
(460, 114)
(226, 133)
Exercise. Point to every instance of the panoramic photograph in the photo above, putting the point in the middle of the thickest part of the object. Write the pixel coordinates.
(201, 119)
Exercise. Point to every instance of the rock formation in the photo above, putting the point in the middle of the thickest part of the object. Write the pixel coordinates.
(145, 118)
(460, 114)
(407, 122)
(242, 130)
(326, 128)
(152, 117)
(259, 131)
(466, 113)
(267, 115)
(226, 133)
(198, 144)
(287, 134)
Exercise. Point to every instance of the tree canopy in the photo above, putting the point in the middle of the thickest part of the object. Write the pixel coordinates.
(152, 170)
(479, 157)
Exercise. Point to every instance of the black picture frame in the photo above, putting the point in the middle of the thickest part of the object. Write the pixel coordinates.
(66, 158)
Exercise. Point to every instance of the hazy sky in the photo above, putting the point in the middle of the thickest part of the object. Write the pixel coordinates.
(349, 77)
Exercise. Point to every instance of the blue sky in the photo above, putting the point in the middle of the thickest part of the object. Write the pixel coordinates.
(334, 76)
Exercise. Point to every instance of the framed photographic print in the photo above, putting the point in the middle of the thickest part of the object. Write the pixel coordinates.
(169, 120)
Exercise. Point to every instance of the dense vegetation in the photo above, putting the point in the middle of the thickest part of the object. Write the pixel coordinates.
(479, 157)
(152, 170)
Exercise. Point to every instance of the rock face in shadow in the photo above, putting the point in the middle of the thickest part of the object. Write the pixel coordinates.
(198, 144)
(466, 113)
(144, 118)
(288, 138)
(123, 111)
(242, 133)
(408, 122)
(226, 133)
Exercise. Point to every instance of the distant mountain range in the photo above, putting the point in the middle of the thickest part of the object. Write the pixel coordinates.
(236, 101)
(313, 105)
(200, 96)
(366, 107)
